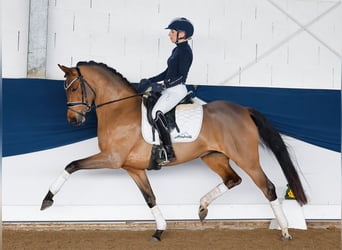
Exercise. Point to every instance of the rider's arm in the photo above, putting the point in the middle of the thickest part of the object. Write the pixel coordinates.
(159, 77)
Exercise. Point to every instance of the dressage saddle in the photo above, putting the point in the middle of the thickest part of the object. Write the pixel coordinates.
(157, 152)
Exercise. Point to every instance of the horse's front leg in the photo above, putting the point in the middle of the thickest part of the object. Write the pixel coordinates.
(93, 162)
(140, 178)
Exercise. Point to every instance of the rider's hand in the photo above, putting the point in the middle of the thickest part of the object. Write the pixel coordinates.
(143, 85)
(145, 81)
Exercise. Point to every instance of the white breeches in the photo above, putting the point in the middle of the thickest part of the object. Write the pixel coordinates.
(169, 99)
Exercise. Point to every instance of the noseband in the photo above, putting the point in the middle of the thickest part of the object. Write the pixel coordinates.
(84, 100)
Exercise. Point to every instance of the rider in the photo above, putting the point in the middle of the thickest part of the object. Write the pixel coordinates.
(172, 80)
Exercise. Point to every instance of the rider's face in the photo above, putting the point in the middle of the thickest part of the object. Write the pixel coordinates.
(173, 36)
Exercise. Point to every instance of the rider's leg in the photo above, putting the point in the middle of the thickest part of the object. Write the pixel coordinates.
(170, 98)
(164, 136)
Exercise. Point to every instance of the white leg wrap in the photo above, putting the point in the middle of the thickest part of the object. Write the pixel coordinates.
(280, 216)
(213, 194)
(279, 213)
(160, 221)
(58, 183)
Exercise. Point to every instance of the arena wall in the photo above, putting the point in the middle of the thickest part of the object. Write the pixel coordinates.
(249, 43)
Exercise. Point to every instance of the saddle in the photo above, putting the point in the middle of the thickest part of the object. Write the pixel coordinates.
(149, 102)
(184, 124)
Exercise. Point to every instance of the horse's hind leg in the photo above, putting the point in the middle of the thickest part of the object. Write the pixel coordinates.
(219, 163)
(268, 188)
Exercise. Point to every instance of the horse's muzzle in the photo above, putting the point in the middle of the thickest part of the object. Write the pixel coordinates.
(75, 118)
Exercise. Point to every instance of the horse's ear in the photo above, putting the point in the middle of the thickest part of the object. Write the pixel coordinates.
(65, 69)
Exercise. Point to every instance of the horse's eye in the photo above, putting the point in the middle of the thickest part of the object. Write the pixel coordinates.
(73, 89)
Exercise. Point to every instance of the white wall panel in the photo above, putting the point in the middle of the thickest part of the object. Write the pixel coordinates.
(104, 5)
(329, 29)
(71, 5)
(60, 35)
(198, 74)
(297, 34)
(218, 28)
(285, 75)
(258, 75)
(243, 33)
(15, 24)
(129, 69)
(91, 21)
(210, 50)
(311, 80)
(303, 51)
(215, 70)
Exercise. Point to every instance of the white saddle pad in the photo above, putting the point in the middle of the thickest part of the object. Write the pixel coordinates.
(188, 118)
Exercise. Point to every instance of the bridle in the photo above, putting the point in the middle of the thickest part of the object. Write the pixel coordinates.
(84, 102)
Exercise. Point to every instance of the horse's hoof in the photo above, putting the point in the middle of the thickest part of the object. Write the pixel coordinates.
(46, 204)
(286, 237)
(154, 239)
(202, 213)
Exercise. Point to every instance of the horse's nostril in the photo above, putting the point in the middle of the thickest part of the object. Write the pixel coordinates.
(73, 121)
(76, 120)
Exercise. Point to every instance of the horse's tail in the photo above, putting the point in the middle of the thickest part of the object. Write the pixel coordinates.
(273, 140)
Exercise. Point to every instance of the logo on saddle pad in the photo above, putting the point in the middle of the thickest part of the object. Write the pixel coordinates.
(188, 118)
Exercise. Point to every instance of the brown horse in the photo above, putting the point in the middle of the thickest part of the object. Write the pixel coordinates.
(229, 131)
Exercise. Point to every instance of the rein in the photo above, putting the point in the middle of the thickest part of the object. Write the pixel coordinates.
(118, 100)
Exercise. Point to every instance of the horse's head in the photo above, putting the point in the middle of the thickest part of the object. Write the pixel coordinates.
(80, 95)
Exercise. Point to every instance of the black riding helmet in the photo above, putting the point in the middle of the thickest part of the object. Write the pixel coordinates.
(182, 24)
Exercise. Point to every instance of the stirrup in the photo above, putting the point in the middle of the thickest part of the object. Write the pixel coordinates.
(159, 158)
(167, 158)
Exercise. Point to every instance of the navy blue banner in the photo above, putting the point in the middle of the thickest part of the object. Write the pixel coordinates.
(34, 113)
(310, 115)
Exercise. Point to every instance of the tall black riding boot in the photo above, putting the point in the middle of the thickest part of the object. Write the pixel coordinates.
(164, 136)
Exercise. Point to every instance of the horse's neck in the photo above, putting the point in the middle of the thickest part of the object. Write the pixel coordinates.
(117, 98)
(111, 90)
(116, 117)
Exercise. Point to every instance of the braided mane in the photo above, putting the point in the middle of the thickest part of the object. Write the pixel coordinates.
(106, 67)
